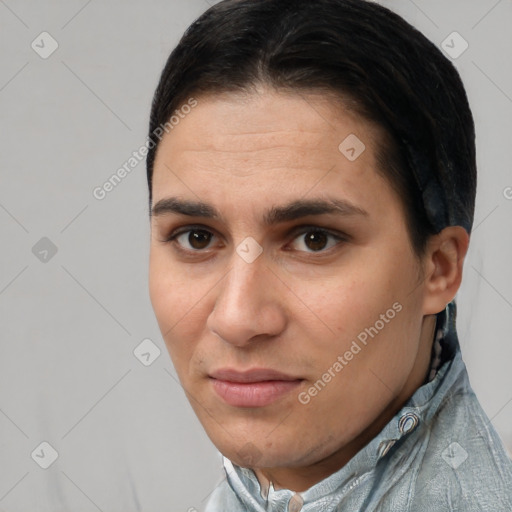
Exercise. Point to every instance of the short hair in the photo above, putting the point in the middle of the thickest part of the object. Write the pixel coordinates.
(372, 60)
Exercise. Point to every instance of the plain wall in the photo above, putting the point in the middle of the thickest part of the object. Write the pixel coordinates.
(126, 437)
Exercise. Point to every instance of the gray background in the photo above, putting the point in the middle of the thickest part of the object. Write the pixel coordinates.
(125, 435)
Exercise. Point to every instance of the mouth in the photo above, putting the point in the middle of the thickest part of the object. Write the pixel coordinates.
(253, 388)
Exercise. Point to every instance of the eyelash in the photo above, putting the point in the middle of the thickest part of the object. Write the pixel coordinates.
(296, 233)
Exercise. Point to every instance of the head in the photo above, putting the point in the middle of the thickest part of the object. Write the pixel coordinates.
(312, 183)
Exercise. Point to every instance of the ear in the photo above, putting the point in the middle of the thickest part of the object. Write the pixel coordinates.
(443, 264)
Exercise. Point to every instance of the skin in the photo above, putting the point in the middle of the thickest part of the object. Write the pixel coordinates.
(296, 308)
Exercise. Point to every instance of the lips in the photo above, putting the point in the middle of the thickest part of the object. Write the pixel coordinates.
(252, 388)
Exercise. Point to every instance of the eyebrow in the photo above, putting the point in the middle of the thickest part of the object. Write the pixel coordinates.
(275, 215)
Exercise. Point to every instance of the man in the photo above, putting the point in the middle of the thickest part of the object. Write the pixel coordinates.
(312, 183)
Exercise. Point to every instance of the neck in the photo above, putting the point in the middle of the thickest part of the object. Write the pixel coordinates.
(301, 479)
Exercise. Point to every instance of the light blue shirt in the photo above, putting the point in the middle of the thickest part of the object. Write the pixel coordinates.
(440, 452)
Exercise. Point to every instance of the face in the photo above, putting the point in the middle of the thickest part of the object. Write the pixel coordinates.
(289, 302)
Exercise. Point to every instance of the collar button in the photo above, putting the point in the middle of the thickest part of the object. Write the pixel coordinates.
(295, 503)
(408, 422)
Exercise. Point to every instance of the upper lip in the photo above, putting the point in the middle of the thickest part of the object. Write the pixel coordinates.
(252, 375)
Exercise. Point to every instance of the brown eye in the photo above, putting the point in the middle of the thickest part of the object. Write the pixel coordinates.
(197, 239)
(316, 240)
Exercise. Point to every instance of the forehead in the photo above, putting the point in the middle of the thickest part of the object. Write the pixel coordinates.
(268, 145)
(262, 117)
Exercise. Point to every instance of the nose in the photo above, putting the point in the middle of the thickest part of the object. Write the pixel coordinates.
(249, 304)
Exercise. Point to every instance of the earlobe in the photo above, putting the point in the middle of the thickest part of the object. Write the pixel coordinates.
(444, 263)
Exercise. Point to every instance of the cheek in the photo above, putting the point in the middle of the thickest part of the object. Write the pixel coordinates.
(361, 316)
(344, 304)
(176, 304)
(172, 289)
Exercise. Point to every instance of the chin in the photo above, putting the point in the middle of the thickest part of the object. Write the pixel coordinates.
(255, 448)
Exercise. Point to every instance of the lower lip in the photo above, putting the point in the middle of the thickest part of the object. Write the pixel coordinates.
(253, 394)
